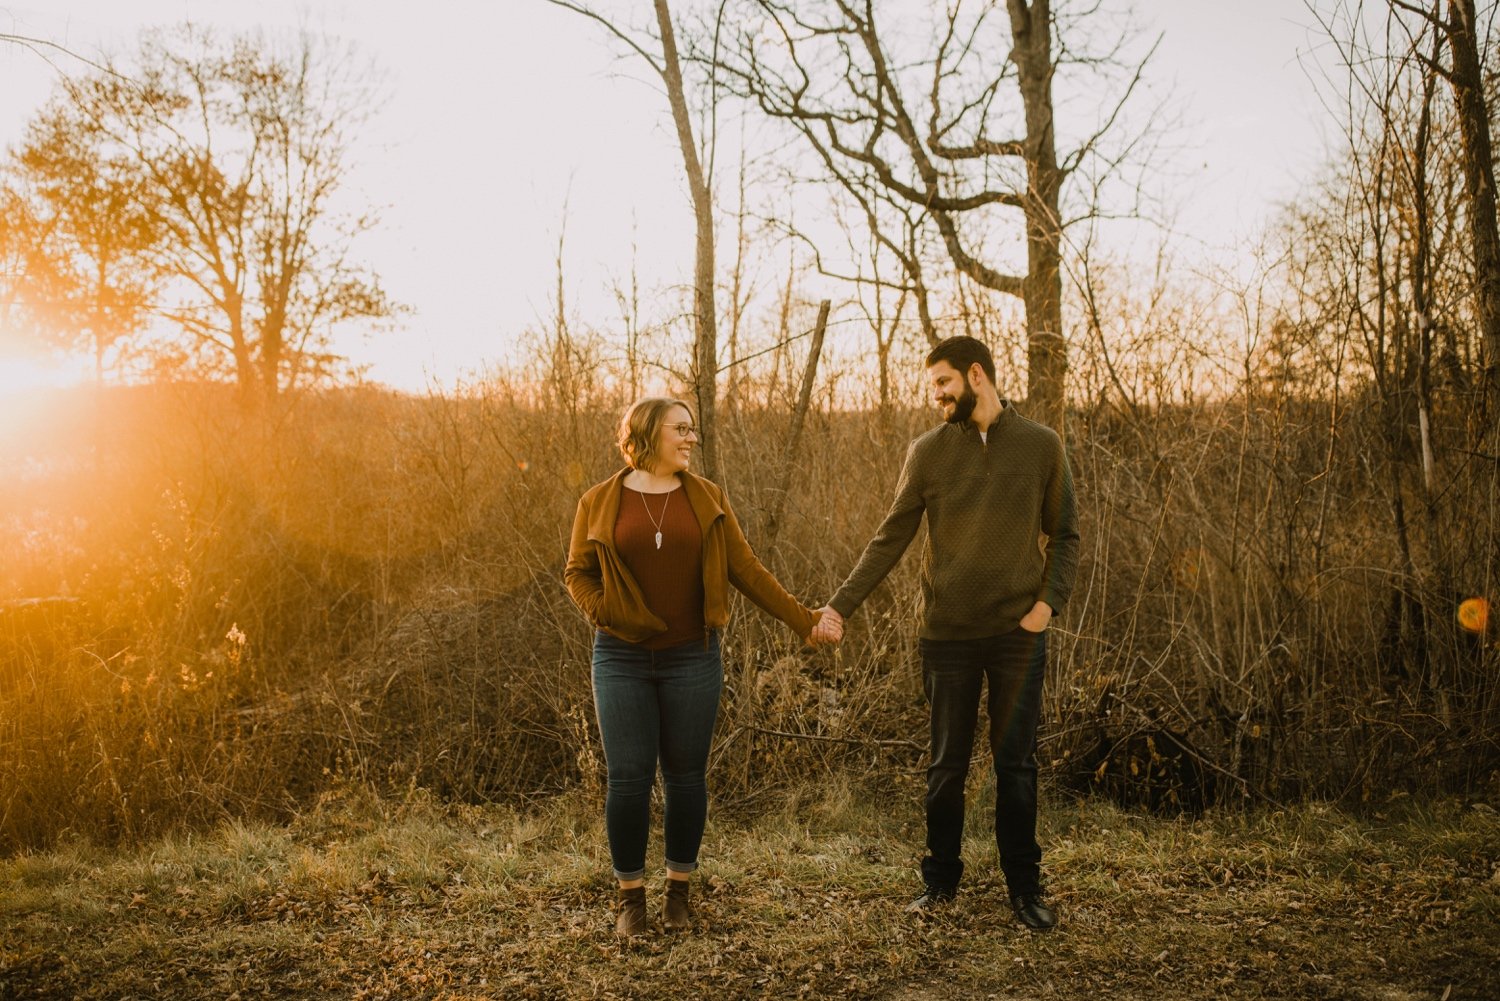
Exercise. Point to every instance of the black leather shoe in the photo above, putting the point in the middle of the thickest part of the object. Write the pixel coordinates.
(934, 897)
(1033, 911)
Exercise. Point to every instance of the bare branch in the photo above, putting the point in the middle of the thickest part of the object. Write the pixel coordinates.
(615, 30)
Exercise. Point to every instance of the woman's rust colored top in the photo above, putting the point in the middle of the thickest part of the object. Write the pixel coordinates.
(611, 598)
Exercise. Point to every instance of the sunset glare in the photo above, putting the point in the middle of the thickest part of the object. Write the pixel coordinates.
(24, 380)
(23, 377)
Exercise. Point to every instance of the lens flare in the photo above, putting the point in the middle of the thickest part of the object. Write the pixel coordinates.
(1188, 568)
(1474, 614)
(28, 391)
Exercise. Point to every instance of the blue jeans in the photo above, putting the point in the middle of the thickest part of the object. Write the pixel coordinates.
(656, 705)
(1014, 665)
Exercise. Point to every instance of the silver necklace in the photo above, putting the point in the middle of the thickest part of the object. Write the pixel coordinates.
(657, 522)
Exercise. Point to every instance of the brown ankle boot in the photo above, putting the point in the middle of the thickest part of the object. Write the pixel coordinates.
(632, 918)
(676, 914)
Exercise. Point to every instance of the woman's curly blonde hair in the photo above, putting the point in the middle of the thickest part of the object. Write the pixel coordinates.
(640, 429)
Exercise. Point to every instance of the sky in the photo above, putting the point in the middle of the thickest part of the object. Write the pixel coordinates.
(505, 118)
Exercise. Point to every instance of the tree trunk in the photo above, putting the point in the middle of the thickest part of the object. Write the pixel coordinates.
(246, 375)
(1046, 352)
(706, 336)
(270, 364)
(1479, 183)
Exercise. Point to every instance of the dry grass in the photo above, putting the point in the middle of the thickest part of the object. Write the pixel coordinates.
(239, 613)
(371, 899)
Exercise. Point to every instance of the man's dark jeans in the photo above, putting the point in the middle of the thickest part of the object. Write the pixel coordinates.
(656, 705)
(1013, 665)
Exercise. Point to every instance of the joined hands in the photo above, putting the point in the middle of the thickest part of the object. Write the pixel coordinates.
(829, 628)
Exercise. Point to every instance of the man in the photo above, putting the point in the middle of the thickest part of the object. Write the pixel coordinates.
(991, 483)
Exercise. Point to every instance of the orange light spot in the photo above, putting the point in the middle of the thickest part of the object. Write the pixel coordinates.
(1188, 567)
(1474, 614)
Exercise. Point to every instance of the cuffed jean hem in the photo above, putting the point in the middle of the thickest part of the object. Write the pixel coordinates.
(678, 867)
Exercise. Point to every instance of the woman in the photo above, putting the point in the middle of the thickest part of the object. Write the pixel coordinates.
(653, 552)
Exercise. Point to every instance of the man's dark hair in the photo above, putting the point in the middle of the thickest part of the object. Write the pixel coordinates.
(962, 352)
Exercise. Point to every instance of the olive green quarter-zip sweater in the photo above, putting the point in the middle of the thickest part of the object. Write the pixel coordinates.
(987, 506)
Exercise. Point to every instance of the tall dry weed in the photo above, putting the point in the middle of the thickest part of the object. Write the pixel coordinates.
(204, 615)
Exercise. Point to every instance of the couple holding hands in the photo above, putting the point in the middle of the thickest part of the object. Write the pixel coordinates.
(654, 550)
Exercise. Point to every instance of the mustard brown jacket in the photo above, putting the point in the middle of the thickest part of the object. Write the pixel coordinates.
(609, 597)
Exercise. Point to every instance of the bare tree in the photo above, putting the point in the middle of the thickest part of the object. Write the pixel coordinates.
(1392, 266)
(1467, 81)
(706, 335)
(233, 154)
(1465, 74)
(82, 242)
(17, 229)
(72, 239)
(667, 65)
(828, 70)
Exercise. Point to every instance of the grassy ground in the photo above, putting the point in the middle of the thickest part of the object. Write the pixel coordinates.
(361, 899)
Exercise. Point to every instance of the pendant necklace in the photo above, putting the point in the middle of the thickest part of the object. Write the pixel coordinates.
(657, 522)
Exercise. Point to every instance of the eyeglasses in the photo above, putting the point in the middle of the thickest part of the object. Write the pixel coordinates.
(683, 430)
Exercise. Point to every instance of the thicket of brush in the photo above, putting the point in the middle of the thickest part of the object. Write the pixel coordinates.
(209, 615)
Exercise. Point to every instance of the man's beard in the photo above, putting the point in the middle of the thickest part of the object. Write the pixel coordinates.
(963, 407)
